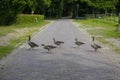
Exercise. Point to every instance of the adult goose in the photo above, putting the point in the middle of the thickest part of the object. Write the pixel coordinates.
(48, 47)
(94, 45)
(58, 43)
(30, 43)
(78, 43)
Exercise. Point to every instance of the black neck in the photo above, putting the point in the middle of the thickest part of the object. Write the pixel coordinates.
(29, 38)
(93, 39)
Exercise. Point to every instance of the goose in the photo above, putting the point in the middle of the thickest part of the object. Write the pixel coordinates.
(78, 43)
(94, 45)
(58, 43)
(48, 47)
(32, 44)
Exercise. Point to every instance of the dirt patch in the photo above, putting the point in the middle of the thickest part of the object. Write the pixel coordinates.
(5, 40)
(115, 42)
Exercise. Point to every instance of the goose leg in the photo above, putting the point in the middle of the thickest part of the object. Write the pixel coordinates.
(59, 45)
(49, 51)
(95, 50)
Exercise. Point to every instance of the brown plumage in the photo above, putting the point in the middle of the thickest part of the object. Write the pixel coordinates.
(78, 43)
(32, 44)
(48, 47)
(94, 45)
(58, 43)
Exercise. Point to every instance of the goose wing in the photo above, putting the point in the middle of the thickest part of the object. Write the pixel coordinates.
(60, 41)
(51, 46)
(98, 46)
(34, 44)
(79, 43)
(94, 46)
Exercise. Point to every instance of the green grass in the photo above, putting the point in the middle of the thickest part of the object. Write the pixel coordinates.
(5, 30)
(4, 50)
(97, 23)
(28, 22)
(104, 29)
(110, 18)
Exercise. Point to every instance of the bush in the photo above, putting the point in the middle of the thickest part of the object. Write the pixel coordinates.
(25, 18)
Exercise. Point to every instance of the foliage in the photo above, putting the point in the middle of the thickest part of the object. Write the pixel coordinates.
(118, 7)
(23, 19)
(104, 4)
(36, 6)
(9, 10)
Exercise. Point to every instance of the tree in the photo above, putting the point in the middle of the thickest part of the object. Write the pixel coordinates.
(42, 5)
(104, 4)
(9, 9)
(118, 7)
(32, 4)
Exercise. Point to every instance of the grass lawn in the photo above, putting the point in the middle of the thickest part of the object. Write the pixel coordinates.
(21, 30)
(99, 27)
(102, 30)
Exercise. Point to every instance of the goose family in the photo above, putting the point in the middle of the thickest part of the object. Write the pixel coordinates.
(30, 43)
(58, 43)
(48, 47)
(94, 45)
(78, 43)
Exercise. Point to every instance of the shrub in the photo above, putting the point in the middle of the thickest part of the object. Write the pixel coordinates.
(25, 18)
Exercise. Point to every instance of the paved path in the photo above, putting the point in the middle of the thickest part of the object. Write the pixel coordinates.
(65, 63)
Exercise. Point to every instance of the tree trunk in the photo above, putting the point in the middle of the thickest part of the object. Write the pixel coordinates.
(118, 28)
(105, 12)
(93, 13)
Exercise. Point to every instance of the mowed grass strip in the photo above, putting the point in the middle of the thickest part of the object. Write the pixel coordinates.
(31, 23)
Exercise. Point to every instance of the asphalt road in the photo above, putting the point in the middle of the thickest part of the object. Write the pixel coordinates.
(67, 62)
